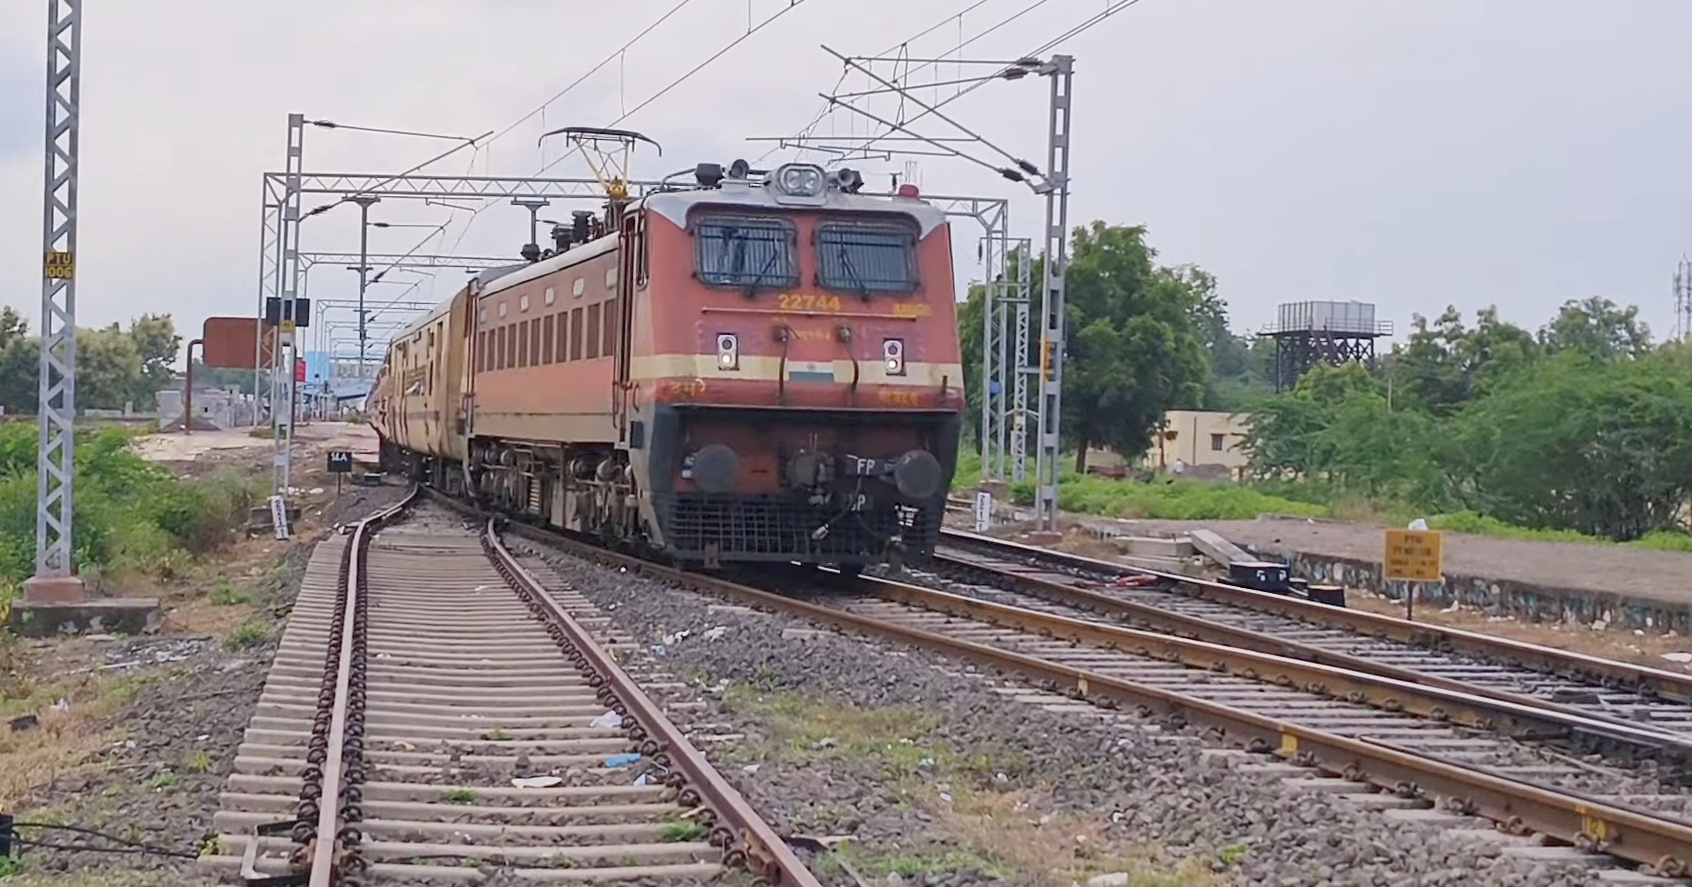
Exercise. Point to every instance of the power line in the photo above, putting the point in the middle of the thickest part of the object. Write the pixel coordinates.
(792, 5)
(1022, 166)
(1109, 11)
(811, 127)
(615, 54)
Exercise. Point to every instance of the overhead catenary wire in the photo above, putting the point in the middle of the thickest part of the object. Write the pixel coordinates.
(1023, 167)
(1112, 9)
(811, 127)
(673, 84)
(769, 20)
(347, 198)
(613, 56)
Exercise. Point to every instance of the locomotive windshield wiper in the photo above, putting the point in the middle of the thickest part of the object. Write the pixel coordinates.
(852, 275)
(758, 279)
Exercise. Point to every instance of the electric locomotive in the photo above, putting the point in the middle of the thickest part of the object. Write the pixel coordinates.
(760, 367)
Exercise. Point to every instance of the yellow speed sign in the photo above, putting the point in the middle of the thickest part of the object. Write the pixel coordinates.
(1413, 556)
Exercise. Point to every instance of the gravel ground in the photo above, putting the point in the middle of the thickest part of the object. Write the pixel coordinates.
(1137, 783)
(160, 783)
(1589, 774)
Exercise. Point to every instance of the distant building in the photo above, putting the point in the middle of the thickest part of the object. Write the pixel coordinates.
(1199, 443)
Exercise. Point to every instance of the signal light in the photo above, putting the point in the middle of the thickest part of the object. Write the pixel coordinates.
(909, 190)
(893, 356)
(728, 351)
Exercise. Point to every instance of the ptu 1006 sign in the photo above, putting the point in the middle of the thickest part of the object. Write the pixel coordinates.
(1413, 556)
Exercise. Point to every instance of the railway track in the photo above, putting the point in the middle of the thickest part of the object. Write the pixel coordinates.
(435, 715)
(1340, 725)
(1644, 699)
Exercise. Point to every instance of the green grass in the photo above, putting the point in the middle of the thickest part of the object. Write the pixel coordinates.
(162, 780)
(1176, 500)
(250, 633)
(1180, 499)
(808, 728)
(1481, 525)
(459, 796)
(677, 832)
(1664, 540)
(914, 865)
(198, 762)
(225, 595)
(1163, 499)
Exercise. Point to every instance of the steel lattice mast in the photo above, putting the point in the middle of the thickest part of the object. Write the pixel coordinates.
(1052, 340)
(54, 564)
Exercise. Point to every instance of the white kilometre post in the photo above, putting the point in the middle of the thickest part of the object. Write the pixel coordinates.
(55, 576)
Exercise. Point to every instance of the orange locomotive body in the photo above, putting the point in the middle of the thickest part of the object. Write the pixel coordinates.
(743, 371)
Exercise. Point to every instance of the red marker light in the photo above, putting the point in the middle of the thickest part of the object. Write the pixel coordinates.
(909, 190)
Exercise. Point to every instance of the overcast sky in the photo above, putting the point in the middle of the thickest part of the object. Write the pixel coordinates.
(1412, 153)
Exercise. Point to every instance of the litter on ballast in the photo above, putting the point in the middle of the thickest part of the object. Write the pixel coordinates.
(622, 760)
(536, 781)
(608, 721)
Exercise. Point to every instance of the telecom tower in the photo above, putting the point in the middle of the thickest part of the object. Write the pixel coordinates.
(1683, 299)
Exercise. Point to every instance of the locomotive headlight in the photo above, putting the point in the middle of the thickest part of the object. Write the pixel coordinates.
(893, 356)
(800, 180)
(728, 351)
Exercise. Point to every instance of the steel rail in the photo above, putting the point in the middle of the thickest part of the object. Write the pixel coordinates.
(1200, 628)
(1518, 719)
(1642, 679)
(324, 854)
(1629, 834)
(763, 850)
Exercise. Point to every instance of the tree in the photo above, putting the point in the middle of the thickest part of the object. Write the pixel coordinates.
(1134, 348)
(20, 365)
(108, 368)
(1597, 328)
(1134, 339)
(1604, 449)
(157, 342)
(1446, 364)
(1335, 427)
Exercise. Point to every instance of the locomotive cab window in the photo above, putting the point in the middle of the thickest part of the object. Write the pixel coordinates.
(745, 251)
(866, 258)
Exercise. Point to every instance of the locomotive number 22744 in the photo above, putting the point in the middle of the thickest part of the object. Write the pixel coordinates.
(807, 302)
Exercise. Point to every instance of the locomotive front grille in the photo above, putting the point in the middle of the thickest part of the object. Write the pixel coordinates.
(780, 528)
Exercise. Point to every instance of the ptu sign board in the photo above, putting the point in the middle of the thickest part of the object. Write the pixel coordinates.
(1413, 556)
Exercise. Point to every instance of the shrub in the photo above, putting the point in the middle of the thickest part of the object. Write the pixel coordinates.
(131, 515)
